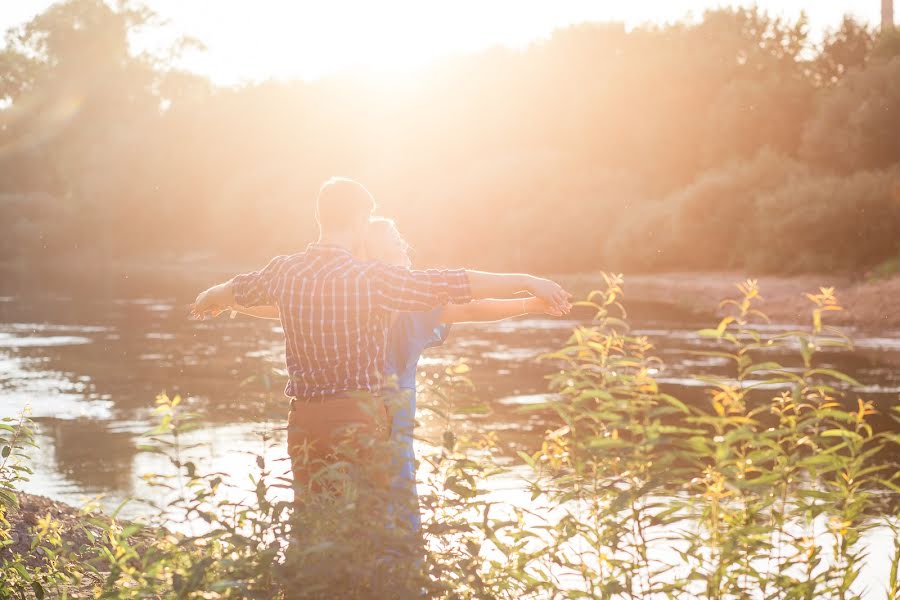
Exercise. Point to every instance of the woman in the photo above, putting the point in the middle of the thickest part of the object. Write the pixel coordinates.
(411, 334)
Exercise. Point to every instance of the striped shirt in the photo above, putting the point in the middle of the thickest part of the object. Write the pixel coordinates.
(336, 312)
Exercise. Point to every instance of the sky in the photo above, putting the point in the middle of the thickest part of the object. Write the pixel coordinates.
(249, 40)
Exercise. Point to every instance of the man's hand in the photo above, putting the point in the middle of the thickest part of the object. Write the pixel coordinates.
(212, 302)
(552, 293)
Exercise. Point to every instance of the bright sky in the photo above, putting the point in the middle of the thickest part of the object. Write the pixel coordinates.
(258, 39)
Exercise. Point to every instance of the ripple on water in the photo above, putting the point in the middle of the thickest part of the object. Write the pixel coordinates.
(54, 327)
(8, 340)
(526, 399)
(706, 361)
(525, 324)
(50, 394)
(435, 361)
(59, 405)
(157, 335)
(878, 343)
(514, 354)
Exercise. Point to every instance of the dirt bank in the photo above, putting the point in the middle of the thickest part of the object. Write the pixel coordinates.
(24, 519)
(870, 306)
(76, 529)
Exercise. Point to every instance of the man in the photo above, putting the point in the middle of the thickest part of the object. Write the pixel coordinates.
(335, 310)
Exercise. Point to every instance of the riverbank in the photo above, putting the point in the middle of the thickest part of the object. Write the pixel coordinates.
(75, 528)
(869, 305)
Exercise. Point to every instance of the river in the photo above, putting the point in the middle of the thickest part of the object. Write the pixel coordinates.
(87, 359)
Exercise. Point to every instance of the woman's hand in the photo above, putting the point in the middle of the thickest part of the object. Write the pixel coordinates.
(553, 295)
(539, 306)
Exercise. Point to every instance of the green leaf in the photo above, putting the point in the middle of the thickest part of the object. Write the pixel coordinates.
(764, 366)
(836, 374)
(526, 457)
(709, 333)
(842, 433)
(673, 401)
(606, 442)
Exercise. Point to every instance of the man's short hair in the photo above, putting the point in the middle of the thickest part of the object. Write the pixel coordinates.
(343, 203)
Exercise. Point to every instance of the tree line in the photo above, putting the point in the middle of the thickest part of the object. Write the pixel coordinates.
(732, 141)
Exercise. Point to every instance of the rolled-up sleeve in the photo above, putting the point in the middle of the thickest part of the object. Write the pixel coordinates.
(258, 287)
(396, 288)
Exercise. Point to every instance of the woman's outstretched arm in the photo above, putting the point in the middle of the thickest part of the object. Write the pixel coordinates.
(496, 310)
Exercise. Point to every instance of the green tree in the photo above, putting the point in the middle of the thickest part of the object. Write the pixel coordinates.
(855, 123)
(848, 47)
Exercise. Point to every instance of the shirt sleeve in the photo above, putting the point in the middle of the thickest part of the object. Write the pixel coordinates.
(258, 287)
(396, 288)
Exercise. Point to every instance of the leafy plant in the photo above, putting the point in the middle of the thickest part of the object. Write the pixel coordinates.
(768, 490)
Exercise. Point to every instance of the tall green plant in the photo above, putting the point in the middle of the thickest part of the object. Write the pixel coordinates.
(768, 489)
(45, 567)
(735, 499)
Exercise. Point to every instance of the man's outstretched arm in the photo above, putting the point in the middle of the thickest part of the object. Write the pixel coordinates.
(506, 285)
(249, 289)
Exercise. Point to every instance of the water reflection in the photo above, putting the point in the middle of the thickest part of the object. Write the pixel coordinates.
(92, 454)
(90, 364)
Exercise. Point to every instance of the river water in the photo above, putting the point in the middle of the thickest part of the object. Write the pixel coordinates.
(87, 359)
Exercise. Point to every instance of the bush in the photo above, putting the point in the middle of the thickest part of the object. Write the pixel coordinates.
(705, 225)
(837, 223)
(855, 124)
(43, 567)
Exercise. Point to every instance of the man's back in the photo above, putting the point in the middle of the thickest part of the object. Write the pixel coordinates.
(335, 311)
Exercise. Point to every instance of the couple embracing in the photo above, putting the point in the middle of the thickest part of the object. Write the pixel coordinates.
(356, 319)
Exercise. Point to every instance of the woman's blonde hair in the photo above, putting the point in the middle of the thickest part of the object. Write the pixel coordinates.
(378, 227)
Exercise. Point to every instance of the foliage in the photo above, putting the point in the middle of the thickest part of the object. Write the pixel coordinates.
(813, 212)
(852, 125)
(19, 576)
(586, 137)
(780, 216)
(705, 225)
(885, 269)
(848, 47)
(662, 499)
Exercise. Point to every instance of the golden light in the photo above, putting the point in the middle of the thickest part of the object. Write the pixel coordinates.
(289, 39)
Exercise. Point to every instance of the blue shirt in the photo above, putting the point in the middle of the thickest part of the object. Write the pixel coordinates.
(411, 334)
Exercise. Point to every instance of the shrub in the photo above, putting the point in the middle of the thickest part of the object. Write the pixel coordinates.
(826, 222)
(854, 125)
(44, 568)
(704, 225)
